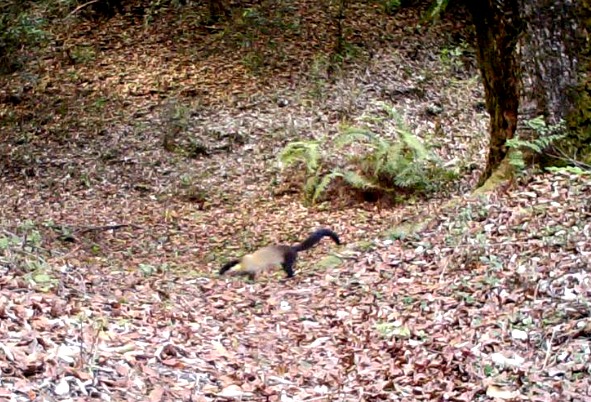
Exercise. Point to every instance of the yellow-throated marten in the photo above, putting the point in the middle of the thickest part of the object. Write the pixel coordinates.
(271, 256)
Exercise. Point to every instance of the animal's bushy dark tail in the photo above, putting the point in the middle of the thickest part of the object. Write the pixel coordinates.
(314, 238)
(228, 265)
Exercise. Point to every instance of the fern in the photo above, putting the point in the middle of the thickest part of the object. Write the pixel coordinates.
(393, 114)
(538, 145)
(380, 160)
(358, 181)
(570, 169)
(323, 184)
(414, 144)
(517, 143)
(355, 134)
(305, 152)
(354, 179)
(410, 176)
(516, 159)
(404, 163)
(310, 187)
(538, 124)
(381, 165)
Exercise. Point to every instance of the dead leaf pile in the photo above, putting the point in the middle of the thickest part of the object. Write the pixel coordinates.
(110, 244)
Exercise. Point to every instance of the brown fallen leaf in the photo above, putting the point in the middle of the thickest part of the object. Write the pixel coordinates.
(232, 391)
(157, 394)
(495, 391)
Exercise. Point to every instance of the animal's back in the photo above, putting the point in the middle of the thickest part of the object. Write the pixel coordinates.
(264, 258)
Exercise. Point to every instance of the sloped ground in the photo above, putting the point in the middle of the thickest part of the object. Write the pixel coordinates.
(490, 300)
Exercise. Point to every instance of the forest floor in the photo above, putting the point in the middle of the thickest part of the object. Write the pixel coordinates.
(110, 242)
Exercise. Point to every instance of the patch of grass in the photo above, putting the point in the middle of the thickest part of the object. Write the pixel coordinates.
(21, 252)
(393, 330)
(82, 54)
(330, 262)
(253, 61)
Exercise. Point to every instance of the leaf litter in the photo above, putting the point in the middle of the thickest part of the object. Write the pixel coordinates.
(488, 301)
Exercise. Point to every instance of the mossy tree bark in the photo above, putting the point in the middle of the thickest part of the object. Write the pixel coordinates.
(498, 26)
(579, 119)
(217, 10)
(549, 76)
(555, 67)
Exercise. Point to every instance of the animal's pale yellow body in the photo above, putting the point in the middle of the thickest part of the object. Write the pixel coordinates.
(262, 259)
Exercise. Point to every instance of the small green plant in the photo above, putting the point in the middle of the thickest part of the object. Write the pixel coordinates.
(175, 118)
(386, 165)
(393, 330)
(306, 152)
(148, 270)
(492, 261)
(401, 163)
(83, 54)
(391, 7)
(190, 190)
(452, 56)
(579, 171)
(253, 61)
(546, 137)
(21, 252)
(435, 10)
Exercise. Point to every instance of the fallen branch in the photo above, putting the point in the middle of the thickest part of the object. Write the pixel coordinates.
(81, 7)
(106, 227)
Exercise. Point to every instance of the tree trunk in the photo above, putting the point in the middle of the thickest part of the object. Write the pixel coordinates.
(580, 118)
(498, 26)
(555, 68)
(549, 76)
(217, 10)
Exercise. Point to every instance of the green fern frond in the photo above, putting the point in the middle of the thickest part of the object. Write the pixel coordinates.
(358, 181)
(410, 176)
(569, 169)
(356, 134)
(414, 144)
(517, 143)
(548, 140)
(537, 145)
(393, 114)
(306, 152)
(538, 124)
(435, 10)
(408, 182)
(516, 159)
(394, 159)
(381, 163)
(321, 187)
(310, 186)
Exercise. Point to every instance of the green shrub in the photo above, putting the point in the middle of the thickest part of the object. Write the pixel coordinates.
(387, 164)
(20, 29)
(371, 162)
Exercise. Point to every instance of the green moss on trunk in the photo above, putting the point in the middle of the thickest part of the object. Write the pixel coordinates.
(497, 29)
(579, 121)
